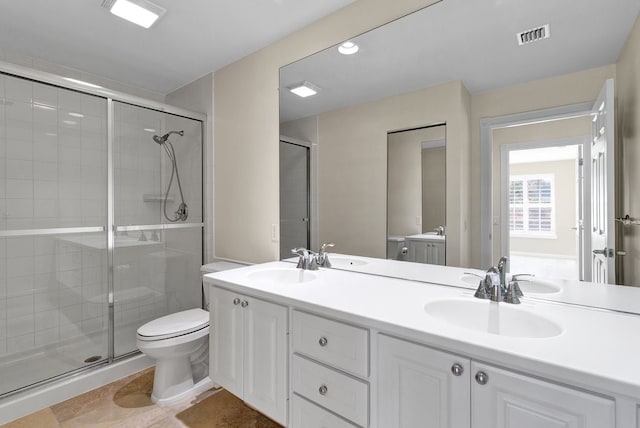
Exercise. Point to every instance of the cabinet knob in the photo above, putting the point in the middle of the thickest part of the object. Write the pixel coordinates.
(457, 369)
(323, 341)
(244, 304)
(236, 301)
(323, 389)
(482, 378)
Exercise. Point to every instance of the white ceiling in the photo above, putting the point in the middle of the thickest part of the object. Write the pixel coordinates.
(192, 39)
(469, 40)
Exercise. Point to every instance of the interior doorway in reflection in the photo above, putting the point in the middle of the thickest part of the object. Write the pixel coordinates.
(543, 192)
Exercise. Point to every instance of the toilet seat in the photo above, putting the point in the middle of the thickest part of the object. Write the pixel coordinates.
(174, 325)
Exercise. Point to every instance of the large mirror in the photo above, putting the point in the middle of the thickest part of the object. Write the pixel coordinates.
(512, 83)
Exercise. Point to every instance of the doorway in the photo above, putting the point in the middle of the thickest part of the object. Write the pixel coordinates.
(543, 206)
(294, 197)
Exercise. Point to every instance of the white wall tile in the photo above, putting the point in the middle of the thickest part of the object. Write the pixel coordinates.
(20, 266)
(20, 343)
(16, 148)
(20, 286)
(19, 189)
(19, 169)
(19, 325)
(18, 89)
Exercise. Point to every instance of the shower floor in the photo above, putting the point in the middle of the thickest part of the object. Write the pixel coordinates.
(25, 369)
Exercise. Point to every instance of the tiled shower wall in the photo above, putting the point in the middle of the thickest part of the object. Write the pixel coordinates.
(52, 175)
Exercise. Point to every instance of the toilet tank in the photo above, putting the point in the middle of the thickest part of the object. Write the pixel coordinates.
(216, 266)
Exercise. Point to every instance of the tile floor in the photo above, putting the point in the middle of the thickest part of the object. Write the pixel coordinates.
(127, 403)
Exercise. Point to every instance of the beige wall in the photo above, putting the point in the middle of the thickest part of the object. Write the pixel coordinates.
(246, 127)
(564, 178)
(574, 88)
(434, 189)
(560, 130)
(628, 139)
(353, 150)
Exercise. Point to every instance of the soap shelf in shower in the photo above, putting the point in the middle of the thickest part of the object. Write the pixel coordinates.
(152, 197)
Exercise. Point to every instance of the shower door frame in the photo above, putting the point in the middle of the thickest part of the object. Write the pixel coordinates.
(109, 96)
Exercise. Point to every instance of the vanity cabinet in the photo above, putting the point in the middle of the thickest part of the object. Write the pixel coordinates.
(420, 386)
(248, 350)
(425, 251)
(329, 372)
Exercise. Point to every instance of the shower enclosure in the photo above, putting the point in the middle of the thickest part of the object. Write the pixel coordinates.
(86, 252)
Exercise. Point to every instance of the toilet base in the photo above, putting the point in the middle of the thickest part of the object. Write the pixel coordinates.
(185, 390)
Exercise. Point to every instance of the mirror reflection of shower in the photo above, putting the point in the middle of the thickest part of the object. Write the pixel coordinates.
(182, 213)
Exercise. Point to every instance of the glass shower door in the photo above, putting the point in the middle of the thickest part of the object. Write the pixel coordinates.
(158, 252)
(53, 258)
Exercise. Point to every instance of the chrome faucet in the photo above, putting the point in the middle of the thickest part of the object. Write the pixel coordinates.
(494, 285)
(439, 230)
(323, 256)
(502, 269)
(307, 260)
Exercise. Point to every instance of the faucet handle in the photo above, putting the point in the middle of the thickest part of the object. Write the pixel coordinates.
(513, 293)
(303, 261)
(487, 285)
(324, 247)
(517, 276)
(312, 263)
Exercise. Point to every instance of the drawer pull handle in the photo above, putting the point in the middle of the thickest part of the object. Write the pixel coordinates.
(323, 389)
(457, 369)
(482, 378)
(323, 341)
(244, 304)
(236, 301)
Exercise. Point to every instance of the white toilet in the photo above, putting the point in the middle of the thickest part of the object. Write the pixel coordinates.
(179, 343)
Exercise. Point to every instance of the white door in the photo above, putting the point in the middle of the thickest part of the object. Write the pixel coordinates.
(602, 187)
(421, 387)
(225, 331)
(502, 399)
(265, 358)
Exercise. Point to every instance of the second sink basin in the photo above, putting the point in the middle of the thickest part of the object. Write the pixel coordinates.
(282, 276)
(485, 316)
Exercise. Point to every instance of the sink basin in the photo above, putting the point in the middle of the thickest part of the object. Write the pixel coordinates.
(527, 285)
(485, 316)
(344, 262)
(282, 276)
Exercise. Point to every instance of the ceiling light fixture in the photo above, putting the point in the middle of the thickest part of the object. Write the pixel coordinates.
(74, 114)
(140, 12)
(348, 48)
(304, 89)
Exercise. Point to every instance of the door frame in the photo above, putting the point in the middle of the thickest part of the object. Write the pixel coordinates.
(486, 148)
(312, 191)
(584, 200)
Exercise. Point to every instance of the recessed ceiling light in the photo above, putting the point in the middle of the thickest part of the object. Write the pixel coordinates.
(348, 48)
(69, 122)
(149, 130)
(43, 106)
(76, 114)
(82, 82)
(304, 89)
(140, 12)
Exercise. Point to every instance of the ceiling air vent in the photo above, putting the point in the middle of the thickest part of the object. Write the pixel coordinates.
(107, 4)
(533, 35)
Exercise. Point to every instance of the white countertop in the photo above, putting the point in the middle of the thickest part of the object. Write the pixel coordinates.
(597, 350)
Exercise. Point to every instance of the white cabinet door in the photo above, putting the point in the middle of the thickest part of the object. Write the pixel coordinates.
(225, 330)
(417, 387)
(248, 350)
(511, 400)
(265, 357)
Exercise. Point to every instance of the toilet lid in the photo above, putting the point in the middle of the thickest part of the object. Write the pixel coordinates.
(175, 324)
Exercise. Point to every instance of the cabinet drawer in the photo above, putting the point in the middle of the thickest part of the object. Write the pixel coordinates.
(342, 394)
(340, 345)
(308, 415)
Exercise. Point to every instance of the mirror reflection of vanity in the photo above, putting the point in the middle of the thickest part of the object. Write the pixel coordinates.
(469, 75)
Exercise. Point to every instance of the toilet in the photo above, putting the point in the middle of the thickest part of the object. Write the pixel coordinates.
(179, 343)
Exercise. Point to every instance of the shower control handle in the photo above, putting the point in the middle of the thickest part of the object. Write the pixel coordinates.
(244, 304)
(236, 301)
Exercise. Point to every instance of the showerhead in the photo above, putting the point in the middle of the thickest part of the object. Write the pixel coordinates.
(161, 140)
